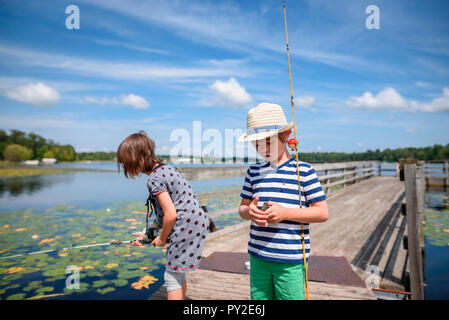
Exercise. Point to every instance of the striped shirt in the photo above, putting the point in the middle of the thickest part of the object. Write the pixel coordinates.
(281, 242)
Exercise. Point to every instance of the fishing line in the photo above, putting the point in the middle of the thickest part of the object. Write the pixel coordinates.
(70, 247)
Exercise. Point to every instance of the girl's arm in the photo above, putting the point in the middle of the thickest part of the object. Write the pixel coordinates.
(318, 212)
(170, 215)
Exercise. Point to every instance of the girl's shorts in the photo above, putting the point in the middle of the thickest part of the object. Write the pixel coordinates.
(173, 280)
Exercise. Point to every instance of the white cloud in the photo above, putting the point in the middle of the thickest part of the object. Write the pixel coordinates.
(94, 100)
(37, 94)
(386, 99)
(135, 101)
(230, 93)
(305, 101)
(422, 84)
(440, 104)
(390, 99)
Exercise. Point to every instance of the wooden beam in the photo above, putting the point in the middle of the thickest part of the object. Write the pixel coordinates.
(414, 248)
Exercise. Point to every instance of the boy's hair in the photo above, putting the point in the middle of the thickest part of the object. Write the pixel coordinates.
(283, 136)
(136, 153)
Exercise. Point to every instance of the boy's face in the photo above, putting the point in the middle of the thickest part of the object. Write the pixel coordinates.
(270, 148)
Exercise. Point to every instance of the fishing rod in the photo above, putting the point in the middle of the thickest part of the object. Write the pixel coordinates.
(70, 247)
(149, 234)
(295, 145)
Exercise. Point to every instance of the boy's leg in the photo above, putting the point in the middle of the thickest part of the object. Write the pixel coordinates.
(288, 281)
(261, 280)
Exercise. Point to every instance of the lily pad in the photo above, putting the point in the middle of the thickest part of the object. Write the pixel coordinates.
(105, 290)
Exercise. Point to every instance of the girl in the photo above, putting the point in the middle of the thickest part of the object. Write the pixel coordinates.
(184, 223)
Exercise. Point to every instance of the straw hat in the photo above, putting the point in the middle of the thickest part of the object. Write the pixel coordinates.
(264, 121)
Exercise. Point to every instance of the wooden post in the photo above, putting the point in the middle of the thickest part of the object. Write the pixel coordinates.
(446, 173)
(414, 247)
(380, 168)
(326, 182)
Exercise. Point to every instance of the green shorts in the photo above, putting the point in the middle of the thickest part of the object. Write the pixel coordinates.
(275, 280)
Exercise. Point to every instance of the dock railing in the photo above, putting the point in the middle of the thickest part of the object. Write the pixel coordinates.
(437, 173)
(415, 187)
(334, 176)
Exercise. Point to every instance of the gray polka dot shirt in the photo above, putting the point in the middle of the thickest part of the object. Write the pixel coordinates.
(190, 230)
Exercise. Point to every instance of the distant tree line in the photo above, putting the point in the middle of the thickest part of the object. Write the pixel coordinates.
(437, 152)
(95, 156)
(19, 146)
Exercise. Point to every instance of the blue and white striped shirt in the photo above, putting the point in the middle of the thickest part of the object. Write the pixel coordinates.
(281, 242)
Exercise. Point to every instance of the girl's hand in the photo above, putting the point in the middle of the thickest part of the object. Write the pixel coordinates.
(158, 242)
(258, 216)
(275, 212)
(139, 237)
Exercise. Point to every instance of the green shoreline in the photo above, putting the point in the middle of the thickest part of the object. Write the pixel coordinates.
(9, 172)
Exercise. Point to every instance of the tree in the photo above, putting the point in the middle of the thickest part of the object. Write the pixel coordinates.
(15, 152)
(17, 137)
(67, 153)
(35, 142)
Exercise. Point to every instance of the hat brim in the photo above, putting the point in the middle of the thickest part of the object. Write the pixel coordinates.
(264, 134)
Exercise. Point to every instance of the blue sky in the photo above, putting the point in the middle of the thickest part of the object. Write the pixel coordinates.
(160, 65)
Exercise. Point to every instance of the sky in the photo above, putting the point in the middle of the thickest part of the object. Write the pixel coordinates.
(167, 66)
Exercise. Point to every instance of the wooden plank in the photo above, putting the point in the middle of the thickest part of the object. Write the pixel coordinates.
(393, 273)
(415, 258)
(367, 250)
(380, 252)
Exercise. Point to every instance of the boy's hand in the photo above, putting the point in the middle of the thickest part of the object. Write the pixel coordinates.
(258, 216)
(275, 212)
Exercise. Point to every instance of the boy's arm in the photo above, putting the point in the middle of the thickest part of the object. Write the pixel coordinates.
(244, 208)
(318, 212)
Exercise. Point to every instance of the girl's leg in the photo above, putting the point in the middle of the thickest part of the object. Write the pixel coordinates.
(175, 294)
(176, 286)
(184, 289)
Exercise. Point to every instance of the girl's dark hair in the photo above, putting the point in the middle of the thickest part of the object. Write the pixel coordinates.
(136, 154)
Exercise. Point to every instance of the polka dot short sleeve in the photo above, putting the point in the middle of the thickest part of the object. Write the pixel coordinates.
(157, 184)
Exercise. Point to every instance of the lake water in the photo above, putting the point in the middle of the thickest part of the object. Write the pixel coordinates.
(436, 231)
(57, 210)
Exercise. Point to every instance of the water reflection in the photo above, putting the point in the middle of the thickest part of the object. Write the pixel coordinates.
(16, 186)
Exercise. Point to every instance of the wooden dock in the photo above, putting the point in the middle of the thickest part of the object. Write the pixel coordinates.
(365, 226)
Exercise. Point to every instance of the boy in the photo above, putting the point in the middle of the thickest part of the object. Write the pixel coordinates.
(275, 246)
